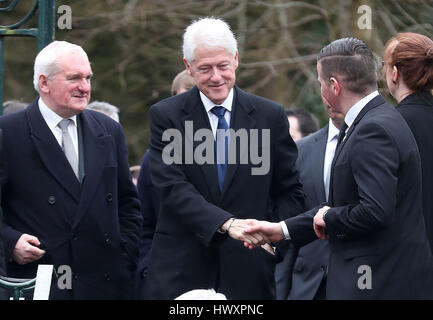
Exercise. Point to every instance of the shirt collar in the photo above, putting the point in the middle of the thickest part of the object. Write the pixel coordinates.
(208, 104)
(357, 107)
(51, 118)
(332, 131)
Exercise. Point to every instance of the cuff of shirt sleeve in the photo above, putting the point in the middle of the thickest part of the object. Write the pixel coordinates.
(285, 230)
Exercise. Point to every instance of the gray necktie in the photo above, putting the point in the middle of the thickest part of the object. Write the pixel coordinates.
(67, 145)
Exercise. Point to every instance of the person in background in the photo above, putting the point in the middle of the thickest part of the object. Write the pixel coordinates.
(105, 108)
(149, 197)
(310, 263)
(408, 68)
(13, 106)
(302, 123)
(3, 292)
(182, 82)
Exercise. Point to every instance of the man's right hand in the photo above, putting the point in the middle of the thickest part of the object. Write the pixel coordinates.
(270, 231)
(26, 249)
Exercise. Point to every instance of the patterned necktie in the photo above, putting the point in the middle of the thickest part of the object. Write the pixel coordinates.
(67, 145)
(221, 143)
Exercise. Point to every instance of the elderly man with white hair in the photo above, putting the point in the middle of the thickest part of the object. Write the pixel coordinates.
(205, 206)
(68, 196)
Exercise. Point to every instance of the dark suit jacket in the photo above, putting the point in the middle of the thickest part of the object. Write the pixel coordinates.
(309, 259)
(149, 198)
(417, 110)
(376, 216)
(3, 294)
(312, 261)
(187, 251)
(92, 227)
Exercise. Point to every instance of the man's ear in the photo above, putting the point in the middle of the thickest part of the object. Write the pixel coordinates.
(43, 84)
(187, 66)
(335, 86)
(236, 60)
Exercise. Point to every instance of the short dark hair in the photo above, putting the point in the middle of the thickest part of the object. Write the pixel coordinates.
(307, 121)
(351, 62)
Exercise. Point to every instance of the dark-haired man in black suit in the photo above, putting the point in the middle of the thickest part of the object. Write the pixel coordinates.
(373, 219)
(310, 263)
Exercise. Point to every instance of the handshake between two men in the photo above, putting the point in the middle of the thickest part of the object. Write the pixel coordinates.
(254, 233)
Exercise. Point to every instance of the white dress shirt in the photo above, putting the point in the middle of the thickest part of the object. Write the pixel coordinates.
(52, 119)
(213, 119)
(331, 145)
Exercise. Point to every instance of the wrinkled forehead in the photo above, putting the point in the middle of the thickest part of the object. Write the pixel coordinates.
(74, 62)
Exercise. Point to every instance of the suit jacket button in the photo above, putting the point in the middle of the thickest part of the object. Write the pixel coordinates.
(107, 277)
(51, 199)
(109, 197)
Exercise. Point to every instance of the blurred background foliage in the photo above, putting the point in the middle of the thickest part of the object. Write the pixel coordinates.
(135, 47)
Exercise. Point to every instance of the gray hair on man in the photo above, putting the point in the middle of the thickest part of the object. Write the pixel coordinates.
(13, 106)
(209, 32)
(46, 62)
(105, 107)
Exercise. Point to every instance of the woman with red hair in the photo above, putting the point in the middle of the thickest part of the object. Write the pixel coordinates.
(408, 66)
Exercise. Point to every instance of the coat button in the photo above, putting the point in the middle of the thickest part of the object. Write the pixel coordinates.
(107, 238)
(51, 199)
(109, 197)
(107, 277)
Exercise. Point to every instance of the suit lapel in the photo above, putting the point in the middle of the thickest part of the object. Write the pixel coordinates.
(375, 102)
(319, 158)
(96, 146)
(195, 111)
(50, 152)
(242, 118)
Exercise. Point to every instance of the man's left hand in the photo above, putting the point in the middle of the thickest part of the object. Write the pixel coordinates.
(319, 224)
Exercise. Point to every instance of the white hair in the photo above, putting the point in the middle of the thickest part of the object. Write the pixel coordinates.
(201, 294)
(47, 60)
(105, 107)
(209, 32)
